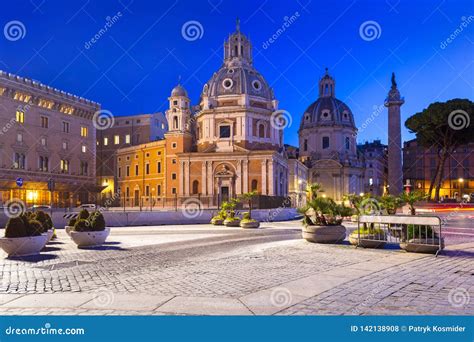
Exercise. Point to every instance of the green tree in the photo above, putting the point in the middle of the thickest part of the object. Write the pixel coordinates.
(412, 198)
(443, 126)
(247, 197)
(313, 189)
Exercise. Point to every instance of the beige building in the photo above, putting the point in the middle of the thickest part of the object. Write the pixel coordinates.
(376, 170)
(327, 137)
(47, 136)
(125, 131)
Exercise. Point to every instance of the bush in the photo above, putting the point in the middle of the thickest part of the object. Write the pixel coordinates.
(83, 215)
(34, 228)
(72, 222)
(82, 226)
(246, 216)
(49, 221)
(97, 221)
(15, 228)
(41, 216)
(420, 232)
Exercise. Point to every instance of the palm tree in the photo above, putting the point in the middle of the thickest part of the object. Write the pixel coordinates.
(247, 197)
(411, 198)
(313, 189)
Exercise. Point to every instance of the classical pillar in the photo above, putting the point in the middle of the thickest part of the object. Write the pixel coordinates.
(395, 175)
(245, 176)
(271, 183)
(181, 178)
(204, 178)
(210, 182)
(187, 177)
(238, 178)
(264, 177)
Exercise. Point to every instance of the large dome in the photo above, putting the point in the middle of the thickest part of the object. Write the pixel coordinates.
(327, 110)
(236, 80)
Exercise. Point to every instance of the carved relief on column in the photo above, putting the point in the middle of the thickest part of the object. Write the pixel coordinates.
(264, 177)
(238, 179)
(204, 178)
(245, 176)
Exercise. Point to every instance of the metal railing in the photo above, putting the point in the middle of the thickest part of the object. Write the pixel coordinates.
(416, 232)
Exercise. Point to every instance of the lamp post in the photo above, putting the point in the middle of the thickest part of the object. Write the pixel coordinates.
(461, 183)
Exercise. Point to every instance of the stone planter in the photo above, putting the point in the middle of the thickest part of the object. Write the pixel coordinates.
(50, 234)
(324, 234)
(367, 240)
(233, 223)
(69, 229)
(250, 224)
(430, 246)
(217, 221)
(90, 239)
(24, 246)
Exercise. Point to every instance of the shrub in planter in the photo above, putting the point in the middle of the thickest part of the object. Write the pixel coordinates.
(15, 228)
(218, 220)
(91, 231)
(248, 222)
(420, 240)
(322, 219)
(368, 238)
(46, 222)
(70, 225)
(23, 237)
(83, 215)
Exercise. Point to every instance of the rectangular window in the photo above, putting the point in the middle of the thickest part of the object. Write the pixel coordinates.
(173, 191)
(44, 122)
(325, 142)
(127, 139)
(224, 131)
(173, 161)
(147, 169)
(174, 145)
(65, 127)
(84, 168)
(20, 116)
(128, 171)
(119, 172)
(84, 131)
(20, 161)
(147, 190)
(173, 176)
(116, 139)
(158, 189)
(136, 170)
(84, 148)
(43, 163)
(64, 165)
(159, 167)
(19, 137)
(43, 141)
(65, 145)
(106, 141)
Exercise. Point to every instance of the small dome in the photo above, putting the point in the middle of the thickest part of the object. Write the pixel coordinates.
(179, 91)
(327, 111)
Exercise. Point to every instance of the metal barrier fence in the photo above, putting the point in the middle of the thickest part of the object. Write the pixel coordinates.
(412, 233)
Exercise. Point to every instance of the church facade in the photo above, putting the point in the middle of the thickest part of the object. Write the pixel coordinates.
(229, 145)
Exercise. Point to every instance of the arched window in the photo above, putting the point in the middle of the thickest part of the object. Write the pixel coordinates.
(195, 187)
(175, 122)
(348, 143)
(305, 145)
(254, 185)
(261, 130)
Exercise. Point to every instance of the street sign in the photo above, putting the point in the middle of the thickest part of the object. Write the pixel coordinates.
(19, 181)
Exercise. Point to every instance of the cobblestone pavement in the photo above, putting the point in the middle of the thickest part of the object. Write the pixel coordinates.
(230, 271)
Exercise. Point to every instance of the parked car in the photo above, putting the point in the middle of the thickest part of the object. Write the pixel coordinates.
(42, 207)
(88, 206)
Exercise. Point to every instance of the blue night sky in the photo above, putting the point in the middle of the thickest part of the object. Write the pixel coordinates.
(132, 68)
